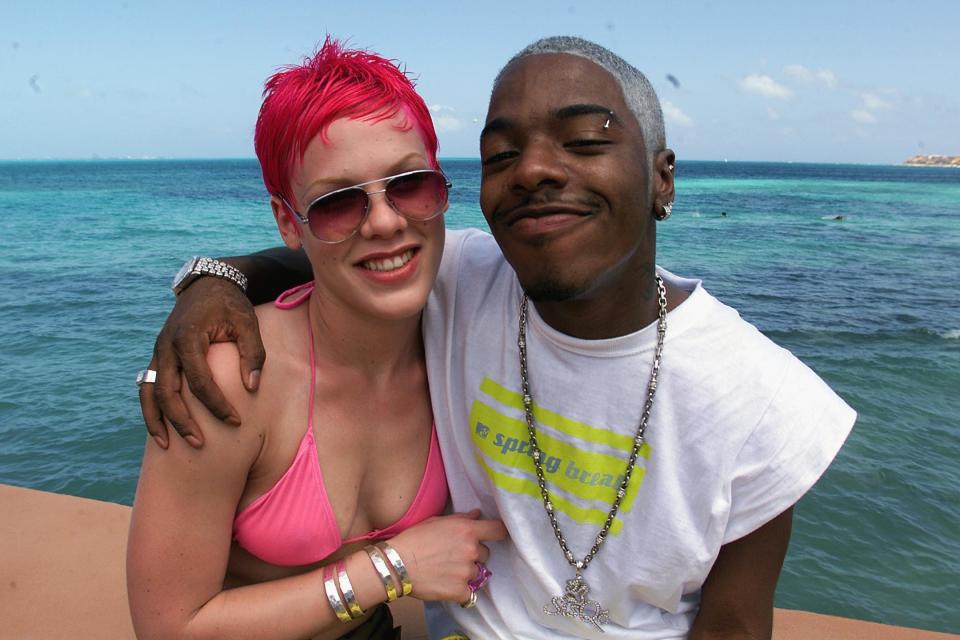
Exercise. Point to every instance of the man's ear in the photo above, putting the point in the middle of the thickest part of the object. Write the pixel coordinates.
(289, 227)
(663, 172)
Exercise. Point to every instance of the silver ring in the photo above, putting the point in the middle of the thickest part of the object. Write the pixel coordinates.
(471, 601)
(146, 376)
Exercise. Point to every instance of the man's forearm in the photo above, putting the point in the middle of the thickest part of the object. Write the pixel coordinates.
(271, 272)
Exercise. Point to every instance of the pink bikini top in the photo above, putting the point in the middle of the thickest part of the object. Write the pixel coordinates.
(292, 524)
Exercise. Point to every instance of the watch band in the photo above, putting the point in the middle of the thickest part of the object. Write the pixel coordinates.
(199, 266)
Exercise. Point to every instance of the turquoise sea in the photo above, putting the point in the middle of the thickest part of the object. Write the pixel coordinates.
(870, 301)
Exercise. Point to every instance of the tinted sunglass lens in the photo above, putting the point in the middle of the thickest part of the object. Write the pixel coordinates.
(337, 216)
(418, 195)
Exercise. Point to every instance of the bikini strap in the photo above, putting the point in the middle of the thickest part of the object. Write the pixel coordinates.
(288, 300)
(294, 297)
(313, 366)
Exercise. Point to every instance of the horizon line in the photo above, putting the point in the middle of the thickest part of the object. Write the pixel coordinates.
(94, 159)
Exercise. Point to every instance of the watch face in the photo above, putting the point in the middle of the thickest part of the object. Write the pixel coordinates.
(185, 271)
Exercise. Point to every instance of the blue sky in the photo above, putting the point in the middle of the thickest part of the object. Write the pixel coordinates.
(867, 82)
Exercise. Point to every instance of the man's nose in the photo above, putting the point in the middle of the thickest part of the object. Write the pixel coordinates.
(541, 164)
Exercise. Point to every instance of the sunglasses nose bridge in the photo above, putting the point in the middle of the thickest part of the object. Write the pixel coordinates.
(395, 217)
(370, 193)
(386, 198)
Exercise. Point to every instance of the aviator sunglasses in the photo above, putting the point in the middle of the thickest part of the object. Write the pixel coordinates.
(334, 217)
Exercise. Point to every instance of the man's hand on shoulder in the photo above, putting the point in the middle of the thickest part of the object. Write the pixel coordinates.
(210, 310)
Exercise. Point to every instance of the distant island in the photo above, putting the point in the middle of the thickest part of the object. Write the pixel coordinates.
(935, 161)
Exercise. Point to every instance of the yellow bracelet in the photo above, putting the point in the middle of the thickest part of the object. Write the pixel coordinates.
(347, 590)
(389, 584)
(398, 566)
(333, 597)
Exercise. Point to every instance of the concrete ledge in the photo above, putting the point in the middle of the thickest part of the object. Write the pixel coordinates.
(803, 625)
(62, 567)
(62, 577)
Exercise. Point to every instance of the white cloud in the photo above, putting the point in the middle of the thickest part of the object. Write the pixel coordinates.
(826, 77)
(765, 86)
(873, 102)
(447, 123)
(863, 117)
(675, 115)
(443, 118)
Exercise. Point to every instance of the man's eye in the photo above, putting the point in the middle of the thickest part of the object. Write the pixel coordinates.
(586, 143)
(498, 157)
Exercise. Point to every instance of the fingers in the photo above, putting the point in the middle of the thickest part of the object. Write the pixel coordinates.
(252, 354)
(166, 392)
(484, 529)
(173, 409)
(191, 351)
(491, 530)
(483, 553)
(152, 417)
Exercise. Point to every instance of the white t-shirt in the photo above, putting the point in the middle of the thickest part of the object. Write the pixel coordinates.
(740, 430)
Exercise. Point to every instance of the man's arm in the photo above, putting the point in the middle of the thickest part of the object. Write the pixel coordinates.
(737, 597)
(271, 272)
(214, 310)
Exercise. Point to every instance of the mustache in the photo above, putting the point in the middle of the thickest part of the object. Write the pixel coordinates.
(543, 199)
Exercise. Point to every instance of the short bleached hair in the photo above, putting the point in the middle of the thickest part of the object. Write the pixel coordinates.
(638, 93)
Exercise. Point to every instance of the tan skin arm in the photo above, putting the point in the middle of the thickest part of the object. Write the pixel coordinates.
(737, 597)
(181, 529)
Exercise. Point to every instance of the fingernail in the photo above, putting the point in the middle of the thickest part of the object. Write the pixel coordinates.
(254, 381)
(160, 442)
(193, 441)
(233, 421)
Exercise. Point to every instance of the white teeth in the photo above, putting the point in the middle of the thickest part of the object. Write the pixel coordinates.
(389, 264)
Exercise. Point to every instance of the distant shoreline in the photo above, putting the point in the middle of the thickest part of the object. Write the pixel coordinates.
(933, 161)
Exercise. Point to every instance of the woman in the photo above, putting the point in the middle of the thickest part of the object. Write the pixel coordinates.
(266, 531)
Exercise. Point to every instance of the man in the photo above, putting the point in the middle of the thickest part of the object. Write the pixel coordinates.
(643, 445)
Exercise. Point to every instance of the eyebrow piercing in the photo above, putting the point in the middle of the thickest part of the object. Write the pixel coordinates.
(606, 125)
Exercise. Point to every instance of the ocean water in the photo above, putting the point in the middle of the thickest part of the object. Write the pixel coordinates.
(870, 301)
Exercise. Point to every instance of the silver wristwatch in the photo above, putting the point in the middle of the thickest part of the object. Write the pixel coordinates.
(198, 266)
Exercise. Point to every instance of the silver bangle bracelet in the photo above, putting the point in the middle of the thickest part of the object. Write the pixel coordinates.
(333, 596)
(347, 590)
(398, 566)
(389, 584)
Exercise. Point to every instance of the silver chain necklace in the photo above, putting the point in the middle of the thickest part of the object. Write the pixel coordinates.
(574, 603)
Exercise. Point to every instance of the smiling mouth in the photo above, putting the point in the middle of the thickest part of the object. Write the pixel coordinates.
(544, 213)
(389, 264)
(544, 220)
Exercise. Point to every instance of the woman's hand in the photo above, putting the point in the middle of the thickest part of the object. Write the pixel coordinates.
(441, 553)
(210, 310)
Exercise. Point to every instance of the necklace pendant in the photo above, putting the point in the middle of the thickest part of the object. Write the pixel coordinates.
(575, 605)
